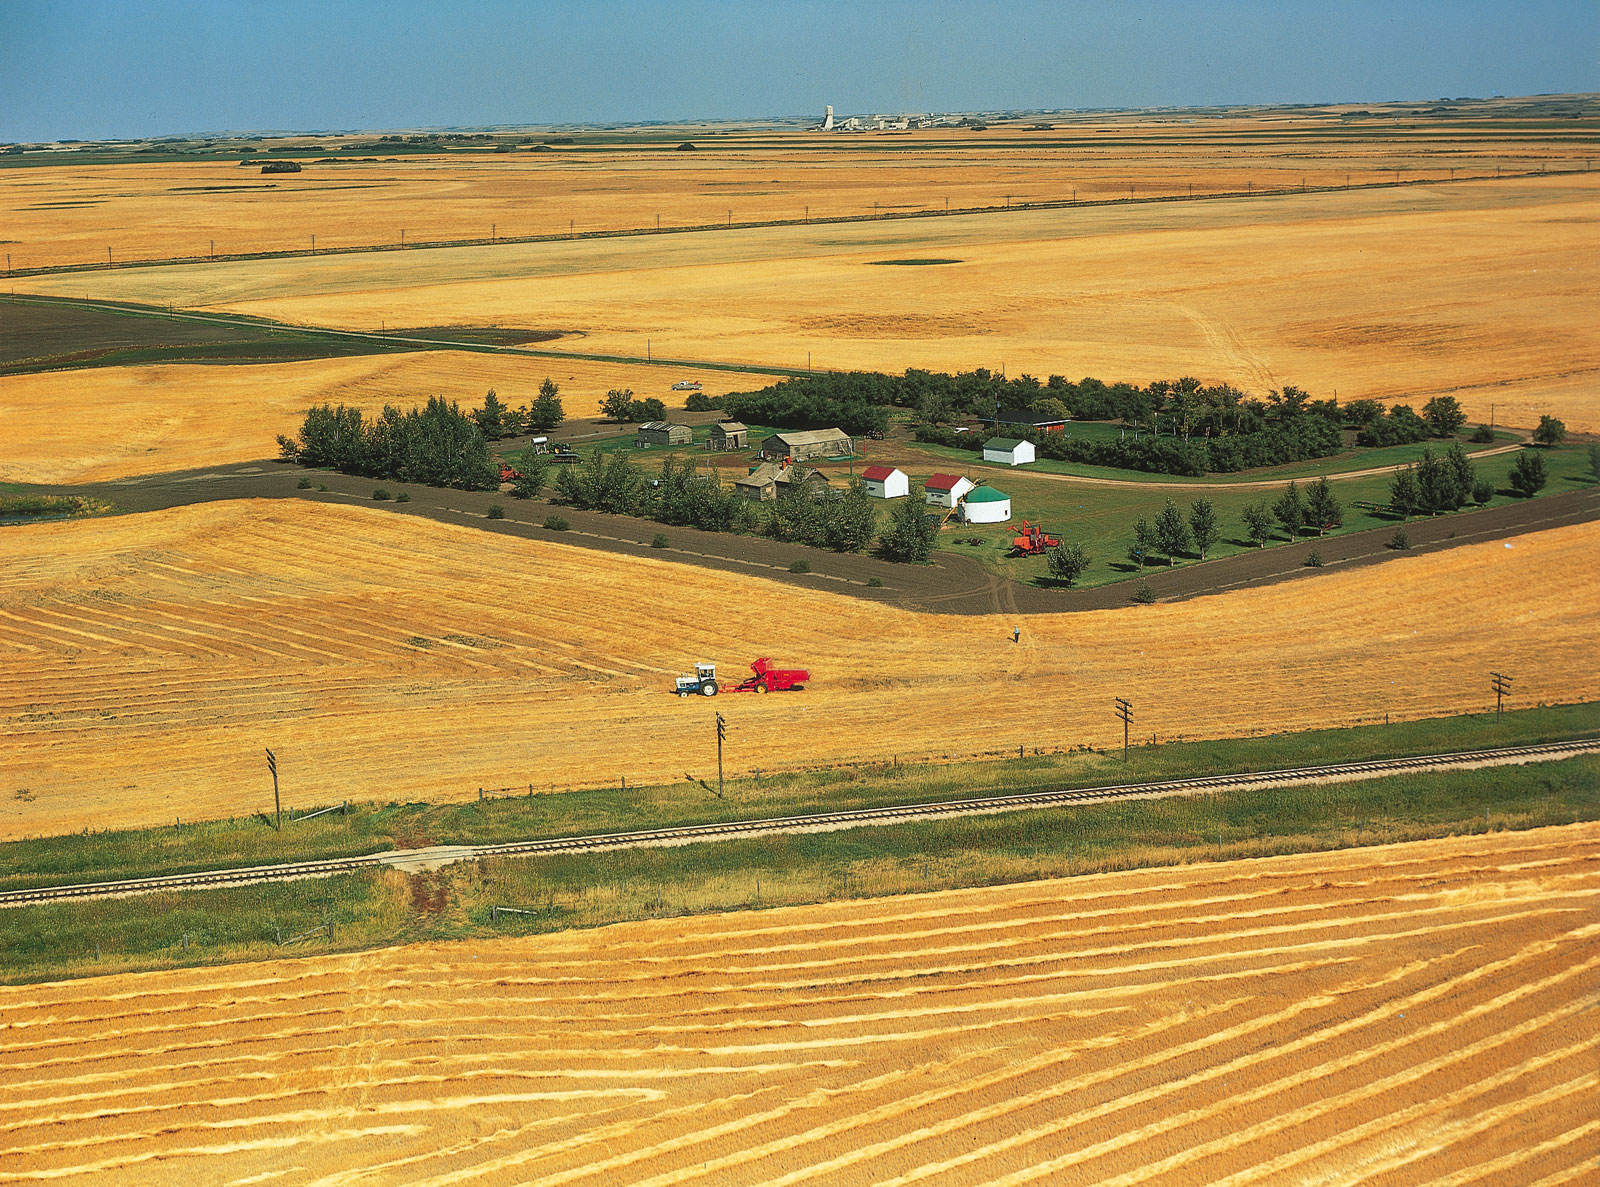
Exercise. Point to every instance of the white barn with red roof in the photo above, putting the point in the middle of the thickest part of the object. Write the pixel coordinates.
(945, 490)
(886, 482)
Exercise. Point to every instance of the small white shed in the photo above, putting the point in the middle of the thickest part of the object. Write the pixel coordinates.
(984, 504)
(945, 490)
(1008, 451)
(886, 482)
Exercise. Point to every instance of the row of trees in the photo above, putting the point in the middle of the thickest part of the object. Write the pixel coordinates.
(620, 406)
(438, 445)
(496, 420)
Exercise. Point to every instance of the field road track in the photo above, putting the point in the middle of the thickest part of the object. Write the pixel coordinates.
(953, 584)
(413, 860)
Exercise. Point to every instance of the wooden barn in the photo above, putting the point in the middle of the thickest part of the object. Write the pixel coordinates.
(886, 482)
(801, 444)
(728, 435)
(660, 432)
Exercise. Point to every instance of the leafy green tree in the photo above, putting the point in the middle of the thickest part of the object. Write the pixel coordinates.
(1404, 496)
(1144, 541)
(850, 523)
(1528, 474)
(1172, 531)
(1444, 416)
(1290, 510)
(1436, 485)
(1550, 431)
(533, 472)
(911, 532)
(491, 418)
(1067, 563)
(1594, 460)
(1203, 525)
(545, 413)
(1323, 509)
(1257, 519)
(1482, 491)
(618, 405)
(651, 409)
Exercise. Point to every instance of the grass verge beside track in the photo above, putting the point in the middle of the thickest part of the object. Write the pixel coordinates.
(551, 894)
(373, 828)
(387, 907)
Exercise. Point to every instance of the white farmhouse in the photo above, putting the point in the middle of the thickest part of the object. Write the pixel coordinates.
(1008, 451)
(886, 482)
(945, 490)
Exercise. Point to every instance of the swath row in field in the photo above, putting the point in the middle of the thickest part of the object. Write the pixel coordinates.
(1413, 1012)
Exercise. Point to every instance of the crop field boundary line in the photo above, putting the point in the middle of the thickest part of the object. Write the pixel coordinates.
(821, 220)
(416, 860)
(397, 342)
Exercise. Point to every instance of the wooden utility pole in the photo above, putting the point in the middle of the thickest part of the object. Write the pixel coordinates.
(1125, 711)
(1502, 685)
(722, 732)
(272, 765)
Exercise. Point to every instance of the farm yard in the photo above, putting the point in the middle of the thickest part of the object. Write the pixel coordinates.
(146, 660)
(1400, 1012)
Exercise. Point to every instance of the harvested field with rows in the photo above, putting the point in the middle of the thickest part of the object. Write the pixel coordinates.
(118, 422)
(1482, 291)
(1398, 1014)
(145, 661)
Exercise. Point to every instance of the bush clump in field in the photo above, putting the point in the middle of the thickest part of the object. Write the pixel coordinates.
(303, 484)
(1528, 475)
(380, 494)
(800, 566)
(1482, 435)
(556, 524)
(402, 497)
(1144, 595)
(1314, 561)
(659, 540)
(496, 511)
(874, 582)
(1400, 541)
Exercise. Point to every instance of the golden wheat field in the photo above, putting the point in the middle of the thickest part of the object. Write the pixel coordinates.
(117, 422)
(146, 660)
(71, 213)
(1409, 1013)
(1484, 291)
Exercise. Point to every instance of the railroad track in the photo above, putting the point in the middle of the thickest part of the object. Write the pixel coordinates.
(420, 859)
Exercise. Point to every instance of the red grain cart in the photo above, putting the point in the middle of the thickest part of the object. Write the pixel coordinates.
(770, 679)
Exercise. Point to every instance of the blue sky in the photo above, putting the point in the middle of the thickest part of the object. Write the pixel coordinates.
(94, 69)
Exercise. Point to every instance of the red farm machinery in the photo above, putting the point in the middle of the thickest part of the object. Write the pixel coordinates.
(766, 679)
(1034, 541)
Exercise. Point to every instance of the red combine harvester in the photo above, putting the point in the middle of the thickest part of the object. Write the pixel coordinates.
(770, 679)
(1034, 541)
(507, 474)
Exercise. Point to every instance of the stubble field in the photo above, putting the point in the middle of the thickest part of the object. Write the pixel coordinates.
(1392, 1015)
(145, 661)
(119, 422)
(1484, 291)
(71, 212)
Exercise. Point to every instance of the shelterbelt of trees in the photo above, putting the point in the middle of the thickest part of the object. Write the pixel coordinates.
(1180, 426)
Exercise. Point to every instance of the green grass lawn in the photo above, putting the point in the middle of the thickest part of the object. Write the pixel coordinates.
(1101, 518)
